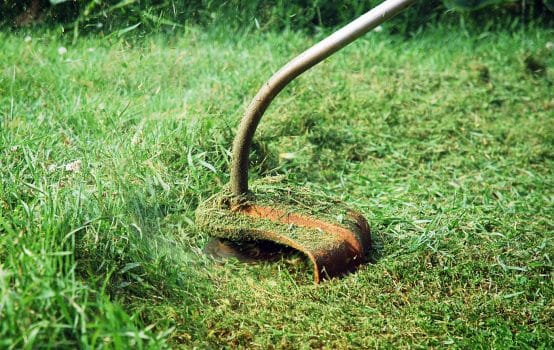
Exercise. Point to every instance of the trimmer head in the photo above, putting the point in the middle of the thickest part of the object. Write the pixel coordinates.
(335, 238)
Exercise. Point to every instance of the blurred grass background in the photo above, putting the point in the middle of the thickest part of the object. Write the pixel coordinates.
(104, 16)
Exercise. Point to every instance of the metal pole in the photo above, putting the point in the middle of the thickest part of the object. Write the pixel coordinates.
(297, 66)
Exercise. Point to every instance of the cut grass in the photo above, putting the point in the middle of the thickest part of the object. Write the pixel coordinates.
(444, 141)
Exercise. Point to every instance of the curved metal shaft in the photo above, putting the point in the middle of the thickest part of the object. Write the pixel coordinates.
(297, 66)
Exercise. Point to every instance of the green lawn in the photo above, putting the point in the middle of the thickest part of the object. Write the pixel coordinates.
(444, 141)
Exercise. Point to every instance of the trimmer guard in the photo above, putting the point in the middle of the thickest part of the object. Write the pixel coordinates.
(335, 238)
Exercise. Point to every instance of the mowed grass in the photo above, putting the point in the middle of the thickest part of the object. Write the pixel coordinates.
(445, 141)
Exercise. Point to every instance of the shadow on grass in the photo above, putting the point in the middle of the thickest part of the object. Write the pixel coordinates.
(376, 252)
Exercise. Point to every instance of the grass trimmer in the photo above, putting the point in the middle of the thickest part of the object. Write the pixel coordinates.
(248, 223)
